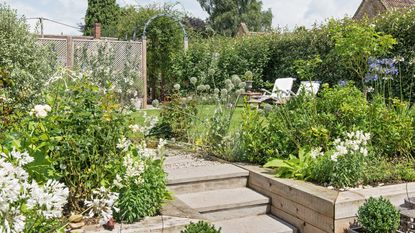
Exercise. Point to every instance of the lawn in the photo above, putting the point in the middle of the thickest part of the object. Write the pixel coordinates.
(205, 112)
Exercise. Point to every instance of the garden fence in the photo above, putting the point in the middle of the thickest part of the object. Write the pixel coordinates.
(132, 52)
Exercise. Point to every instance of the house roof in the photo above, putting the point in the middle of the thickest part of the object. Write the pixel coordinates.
(391, 4)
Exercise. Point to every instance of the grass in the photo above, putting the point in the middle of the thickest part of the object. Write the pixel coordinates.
(205, 112)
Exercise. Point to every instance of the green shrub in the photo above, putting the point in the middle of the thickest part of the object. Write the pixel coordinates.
(378, 216)
(177, 117)
(200, 227)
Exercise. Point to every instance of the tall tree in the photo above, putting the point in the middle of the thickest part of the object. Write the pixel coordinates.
(226, 15)
(101, 11)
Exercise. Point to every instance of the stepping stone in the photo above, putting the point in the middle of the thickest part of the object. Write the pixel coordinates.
(198, 174)
(254, 224)
(227, 203)
(200, 179)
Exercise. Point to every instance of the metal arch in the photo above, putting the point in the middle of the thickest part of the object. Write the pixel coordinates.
(164, 15)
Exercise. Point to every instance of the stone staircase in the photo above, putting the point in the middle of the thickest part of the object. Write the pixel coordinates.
(219, 193)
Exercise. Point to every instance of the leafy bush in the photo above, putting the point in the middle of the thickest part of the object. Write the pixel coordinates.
(24, 65)
(177, 117)
(378, 216)
(200, 227)
(76, 139)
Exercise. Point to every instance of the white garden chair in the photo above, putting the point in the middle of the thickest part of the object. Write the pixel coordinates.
(282, 90)
(309, 87)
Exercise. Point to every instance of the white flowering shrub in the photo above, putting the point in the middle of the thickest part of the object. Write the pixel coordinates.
(345, 164)
(25, 205)
(141, 183)
(100, 66)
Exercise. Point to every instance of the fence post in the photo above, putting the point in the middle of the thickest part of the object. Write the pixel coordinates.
(69, 52)
(144, 68)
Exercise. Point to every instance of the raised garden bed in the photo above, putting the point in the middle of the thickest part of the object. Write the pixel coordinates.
(315, 209)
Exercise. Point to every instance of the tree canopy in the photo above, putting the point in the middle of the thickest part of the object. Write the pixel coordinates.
(226, 15)
(105, 12)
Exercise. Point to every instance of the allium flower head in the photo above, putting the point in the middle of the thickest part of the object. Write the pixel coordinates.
(193, 80)
(155, 103)
(176, 87)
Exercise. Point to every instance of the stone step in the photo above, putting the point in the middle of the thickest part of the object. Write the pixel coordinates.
(227, 203)
(255, 224)
(199, 179)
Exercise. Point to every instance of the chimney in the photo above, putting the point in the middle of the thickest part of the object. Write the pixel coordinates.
(97, 31)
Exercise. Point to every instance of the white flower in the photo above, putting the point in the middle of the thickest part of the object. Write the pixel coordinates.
(124, 144)
(118, 182)
(316, 152)
(48, 199)
(101, 204)
(133, 166)
(334, 157)
(135, 128)
(40, 110)
(21, 158)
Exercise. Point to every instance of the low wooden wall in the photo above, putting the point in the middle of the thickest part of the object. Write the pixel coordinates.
(315, 209)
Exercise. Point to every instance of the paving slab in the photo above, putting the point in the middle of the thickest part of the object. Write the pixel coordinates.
(206, 173)
(254, 224)
(223, 199)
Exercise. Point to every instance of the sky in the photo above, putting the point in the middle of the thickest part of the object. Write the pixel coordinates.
(287, 13)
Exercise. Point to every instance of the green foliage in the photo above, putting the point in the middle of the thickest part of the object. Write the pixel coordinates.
(145, 198)
(378, 215)
(231, 56)
(200, 227)
(355, 43)
(24, 65)
(317, 122)
(226, 15)
(164, 39)
(295, 167)
(306, 69)
(105, 12)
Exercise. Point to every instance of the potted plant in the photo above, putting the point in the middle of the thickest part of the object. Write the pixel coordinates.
(377, 215)
(248, 80)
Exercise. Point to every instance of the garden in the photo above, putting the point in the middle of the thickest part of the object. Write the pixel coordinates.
(73, 147)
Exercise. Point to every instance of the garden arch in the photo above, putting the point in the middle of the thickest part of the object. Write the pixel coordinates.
(144, 44)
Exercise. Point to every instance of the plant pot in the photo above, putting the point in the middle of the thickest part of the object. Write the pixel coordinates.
(360, 230)
(249, 85)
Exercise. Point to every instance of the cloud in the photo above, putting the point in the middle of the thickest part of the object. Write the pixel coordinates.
(286, 13)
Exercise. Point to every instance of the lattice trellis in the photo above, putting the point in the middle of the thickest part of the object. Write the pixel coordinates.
(59, 46)
(121, 51)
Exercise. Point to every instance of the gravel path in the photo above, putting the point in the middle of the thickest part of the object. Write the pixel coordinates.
(176, 159)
